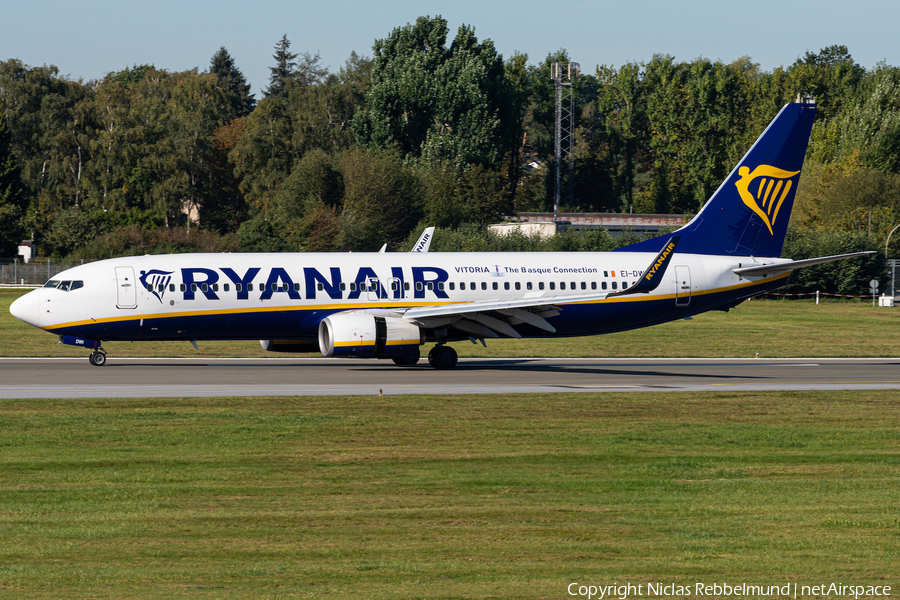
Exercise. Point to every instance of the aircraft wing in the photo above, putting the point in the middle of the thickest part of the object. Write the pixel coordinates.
(790, 265)
(485, 317)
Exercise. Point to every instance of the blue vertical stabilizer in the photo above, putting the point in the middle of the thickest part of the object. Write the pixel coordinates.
(748, 215)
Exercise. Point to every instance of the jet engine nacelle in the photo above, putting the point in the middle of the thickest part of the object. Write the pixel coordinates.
(360, 335)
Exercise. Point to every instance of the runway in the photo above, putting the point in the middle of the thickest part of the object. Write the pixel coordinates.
(162, 377)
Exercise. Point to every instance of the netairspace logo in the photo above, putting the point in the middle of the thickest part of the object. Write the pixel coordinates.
(719, 590)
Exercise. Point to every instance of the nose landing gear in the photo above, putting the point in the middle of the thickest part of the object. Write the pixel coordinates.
(98, 357)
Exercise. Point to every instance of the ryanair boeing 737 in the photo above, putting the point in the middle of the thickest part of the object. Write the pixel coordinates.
(388, 305)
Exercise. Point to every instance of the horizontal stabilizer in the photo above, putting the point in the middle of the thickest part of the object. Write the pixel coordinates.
(790, 265)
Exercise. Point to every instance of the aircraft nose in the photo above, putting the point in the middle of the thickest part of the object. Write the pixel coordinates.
(27, 308)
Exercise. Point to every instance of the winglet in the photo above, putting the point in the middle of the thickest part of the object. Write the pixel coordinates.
(424, 240)
(653, 276)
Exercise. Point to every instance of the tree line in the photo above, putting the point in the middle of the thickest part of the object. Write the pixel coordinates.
(429, 130)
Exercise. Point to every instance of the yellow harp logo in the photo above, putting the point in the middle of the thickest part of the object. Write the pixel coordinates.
(764, 190)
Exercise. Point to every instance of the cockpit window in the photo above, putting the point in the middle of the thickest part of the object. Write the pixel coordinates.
(65, 286)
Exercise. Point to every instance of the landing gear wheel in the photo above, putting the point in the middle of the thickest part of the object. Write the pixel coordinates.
(442, 357)
(406, 361)
(431, 354)
(98, 359)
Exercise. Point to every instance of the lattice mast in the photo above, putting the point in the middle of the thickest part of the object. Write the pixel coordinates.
(564, 78)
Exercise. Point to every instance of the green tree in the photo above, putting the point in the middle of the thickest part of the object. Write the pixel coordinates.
(382, 199)
(284, 73)
(263, 157)
(231, 81)
(311, 197)
(199, 107)
(622, 109)
(224, 208)
(12, 198)
(871, 126)
(128, 76)
(436, 102)
(830, 75)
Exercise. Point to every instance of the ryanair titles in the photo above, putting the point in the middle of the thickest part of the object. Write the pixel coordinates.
(660, 260)
(204, 281)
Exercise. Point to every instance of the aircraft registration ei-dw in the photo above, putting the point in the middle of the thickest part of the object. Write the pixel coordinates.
(388, 305)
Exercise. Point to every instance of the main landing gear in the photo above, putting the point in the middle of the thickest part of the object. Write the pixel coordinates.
(98, 357)
(442, 357)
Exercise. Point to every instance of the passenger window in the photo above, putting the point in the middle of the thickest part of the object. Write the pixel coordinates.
(205, 287)
(552, 285)
(149, 287)
(182, 287)
(225, 287)
(215, 287)
(353, 287)
(452, 285)
(193, 287)
(572, 286)
(484, 285)
(519, 285)
(76, 285)
(406, 285)
(462, 285)
(603, 285)
(528, 285)
(562, 285)
(540, 285)
(430, 286)
(505, 285)
(172, 287)
(343, 287)
(593, 285)
(494, 285)
(615, 286)
(440, 285)
(583, 285)
(418, 286)
(249, 287)
(238, 287)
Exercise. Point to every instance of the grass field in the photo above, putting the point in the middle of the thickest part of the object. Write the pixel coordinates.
(774, 328)
(445, 497)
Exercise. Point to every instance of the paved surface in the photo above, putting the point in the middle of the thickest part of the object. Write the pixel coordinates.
(126, 378)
